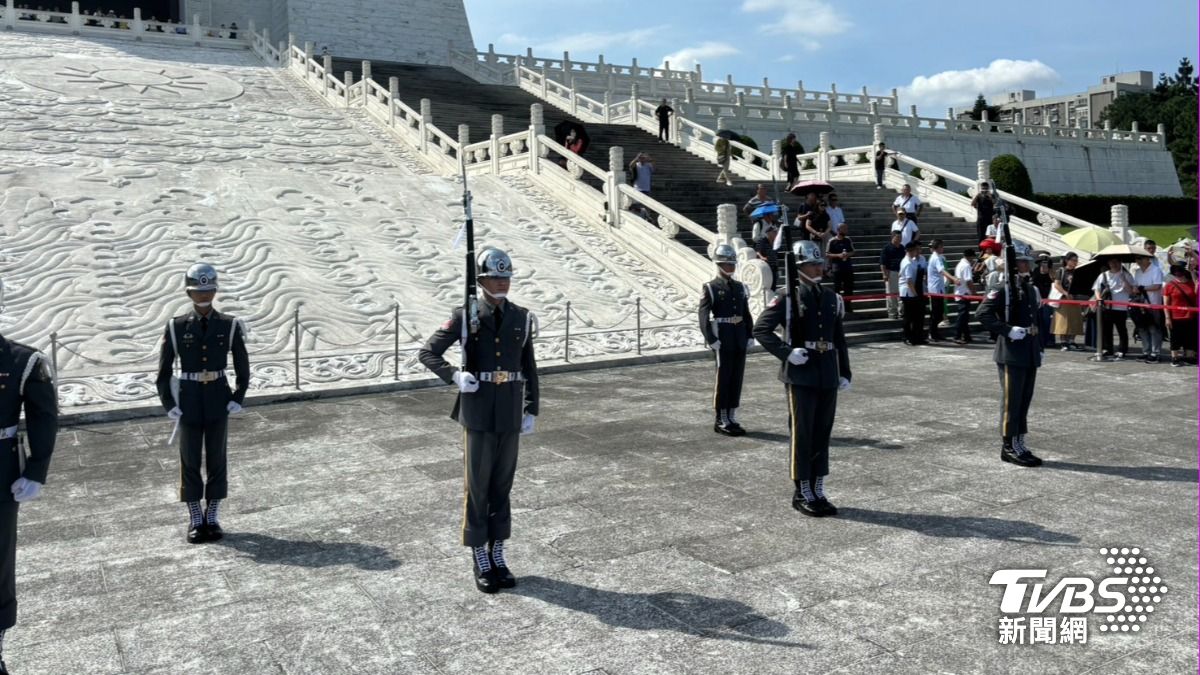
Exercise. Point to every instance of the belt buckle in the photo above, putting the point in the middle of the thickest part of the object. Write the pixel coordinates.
(822, 346)
(736, 320)
(500, 377)
(208, 376)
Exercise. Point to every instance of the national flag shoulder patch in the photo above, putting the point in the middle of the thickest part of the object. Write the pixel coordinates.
(992, 295)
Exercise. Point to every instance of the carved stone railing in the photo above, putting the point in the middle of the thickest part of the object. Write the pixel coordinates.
(124, 28)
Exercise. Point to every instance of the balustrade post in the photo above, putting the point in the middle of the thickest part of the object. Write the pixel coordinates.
(426, 121)
(296, 347)
(800, 92)
(689, 99)
(616, 178)
(823, 157)
(327, 64)
(866, 97)
(76, 18)
(308, 57)
(138, 26)
(464, 139)
(366, 71)
(634, 106)
(545, 80)
(739, 112)
(1119, 222)
(574, 83)
(10, 15)
(638, 314)
(674, 128)
(633, 67)
(196, 32)
(566, 66)
(1162, 134)
(726, 224)
(393, 96)
(776, 155)
(497, 132)
(699, 74)
(537, 127)
(567, 336)
(285, 55)
(766, 93)
(491, 54)
(608, 104)
(983, 172)
(348, 80)
(730, 90)
(873, 109)
(396, 343)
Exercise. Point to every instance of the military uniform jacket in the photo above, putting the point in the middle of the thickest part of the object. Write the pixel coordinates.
(496, 407)
(729, 300)
(1023, 312)
(26, 381)
(198, 351)
(817, 318)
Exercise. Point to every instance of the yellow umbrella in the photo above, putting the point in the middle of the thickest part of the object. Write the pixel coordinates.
(1090, 239)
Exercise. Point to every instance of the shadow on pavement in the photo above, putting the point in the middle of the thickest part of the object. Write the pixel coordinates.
(873, 443)
(981, 527)
(768, 436)
(637, 611)
(1155, 473)
(267, 550)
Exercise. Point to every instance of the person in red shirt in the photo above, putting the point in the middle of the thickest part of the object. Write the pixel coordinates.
(1180, 291)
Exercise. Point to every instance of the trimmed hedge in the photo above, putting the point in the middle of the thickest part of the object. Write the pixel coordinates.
(1142, 210)
(1010, 175)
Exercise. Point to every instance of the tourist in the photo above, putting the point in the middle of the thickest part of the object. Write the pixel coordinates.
(912, 293)
(841, 249)
(984, 206)
(1180, 291)
(889, 265)
(935, 284)
(1148, 280)
(905, 226)
(911, 203)
(233, 29)
(816, 226)
(1068, 318)
(724, 150)
(1151, 247)
(880, 164)
(663, 113)
(642, 168)
(1114, 284)
(1044, 282)
(964, 286)
(791, 151)
(802, 213)
(765, 247)
(834, 209)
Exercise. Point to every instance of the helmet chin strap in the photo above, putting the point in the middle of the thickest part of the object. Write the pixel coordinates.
(202, 305)
(495, 296)
(808, 278)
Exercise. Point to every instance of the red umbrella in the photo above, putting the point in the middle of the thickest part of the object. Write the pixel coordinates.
(804, 187)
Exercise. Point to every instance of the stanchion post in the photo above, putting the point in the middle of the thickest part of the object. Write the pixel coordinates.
(1099, 330)
(567, 339)
(396, 345)
(296, 349)
(639, 326)
(54, 361)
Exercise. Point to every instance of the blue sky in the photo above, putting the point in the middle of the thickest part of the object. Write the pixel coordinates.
(937, 53)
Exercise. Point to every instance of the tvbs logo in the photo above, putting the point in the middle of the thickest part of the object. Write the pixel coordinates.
(1125, 599)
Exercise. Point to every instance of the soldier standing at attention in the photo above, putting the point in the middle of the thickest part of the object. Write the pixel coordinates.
(200, 399)
(725, 323)
(816, 365)
(1013, 318)
(26, 381)
(495, 406)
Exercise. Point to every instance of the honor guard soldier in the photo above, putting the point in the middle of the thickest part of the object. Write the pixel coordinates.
(816, 365)
(495, 407)
(1011, 313)
(726, 323)
(26, 381)
(200, 399)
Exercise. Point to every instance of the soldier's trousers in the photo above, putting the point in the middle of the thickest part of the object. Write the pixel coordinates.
(812, 412)
(489, 463)
(731, 370)
(203, 441)
(8, 565)
(1016, 394)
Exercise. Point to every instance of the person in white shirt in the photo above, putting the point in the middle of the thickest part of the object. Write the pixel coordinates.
(909, 202)
(906, 227)
(1148, 280)
(964, 286)
(912, 293)
(994, 231)
(1152, 248)
(936, 287)
(834, 211)
(1113, 284)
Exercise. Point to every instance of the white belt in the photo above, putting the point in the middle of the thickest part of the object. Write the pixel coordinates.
(8, 432)
(501, 376)
(203, 376)
(819, 346)
(728, 319)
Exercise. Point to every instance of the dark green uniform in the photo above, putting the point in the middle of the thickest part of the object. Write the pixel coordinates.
(203, 348)
(25, 382)
(816, 325)
(1017, 361)
(725, 316)
(491, 417)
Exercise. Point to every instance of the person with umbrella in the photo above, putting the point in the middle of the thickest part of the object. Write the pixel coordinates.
(765, 244)
(1113, 284)
(725, 323)
(1011, 313)
(1068, 318)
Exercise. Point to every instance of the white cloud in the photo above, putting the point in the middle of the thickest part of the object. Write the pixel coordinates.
(810, 18)
(958, 88)
(786, 58)
(688, 57)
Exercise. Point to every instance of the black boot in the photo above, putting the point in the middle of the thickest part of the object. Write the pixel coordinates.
(485, 576)
(1010, 454)
(722, 424)
(822, 501)
(210, 520)
(735, 429)
(805, 502)
(197, 532)
(504, 576)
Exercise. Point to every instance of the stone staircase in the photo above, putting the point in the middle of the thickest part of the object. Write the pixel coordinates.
(682, 181)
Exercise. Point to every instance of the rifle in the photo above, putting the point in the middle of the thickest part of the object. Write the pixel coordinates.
(470, 322)
(1010, 255)
(791, 283)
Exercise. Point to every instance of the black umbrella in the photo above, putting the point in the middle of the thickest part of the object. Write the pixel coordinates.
(1086, 274)
(564, 130)
(728, 135)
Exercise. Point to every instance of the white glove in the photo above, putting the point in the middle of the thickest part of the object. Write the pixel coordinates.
(798, 357)
(233, 407)
(715, 346)
(750, 344)
(466, 382)
(1041, 358)
(174, 413)
(24, 489)
(527, 424)
(1016, 333)
(843, 384)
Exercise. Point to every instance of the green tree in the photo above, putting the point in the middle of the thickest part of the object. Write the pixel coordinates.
(981, 105)
(1010, 175)
(1172, 104)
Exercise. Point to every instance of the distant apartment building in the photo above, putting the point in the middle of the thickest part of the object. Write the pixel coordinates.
(1072, 110)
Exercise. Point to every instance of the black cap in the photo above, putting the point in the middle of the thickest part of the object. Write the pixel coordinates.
(912, 244)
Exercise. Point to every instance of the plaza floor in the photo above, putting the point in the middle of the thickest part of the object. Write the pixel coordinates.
(644, 542)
